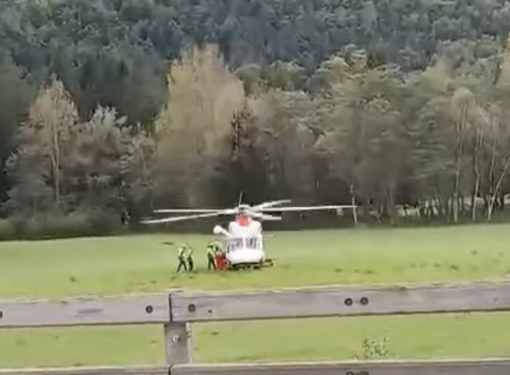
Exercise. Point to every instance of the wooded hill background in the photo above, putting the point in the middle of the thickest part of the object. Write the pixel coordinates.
(113, 106)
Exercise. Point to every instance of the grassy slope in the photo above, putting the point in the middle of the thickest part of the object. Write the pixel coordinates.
(134, 264)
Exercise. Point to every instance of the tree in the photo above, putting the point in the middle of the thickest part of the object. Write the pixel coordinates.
(15, 95)
(95, 163)
(193, 129)
(363, 134)
(45, 140)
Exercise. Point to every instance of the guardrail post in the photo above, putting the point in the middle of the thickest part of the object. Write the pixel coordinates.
(178, 346)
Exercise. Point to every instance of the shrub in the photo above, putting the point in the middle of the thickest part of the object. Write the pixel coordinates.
(90, 222)
(374, 349)
(8, 230)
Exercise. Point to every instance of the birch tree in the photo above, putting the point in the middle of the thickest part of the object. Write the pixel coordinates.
(45, 140)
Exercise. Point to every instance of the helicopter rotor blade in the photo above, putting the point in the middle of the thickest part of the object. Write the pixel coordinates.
(265, 217)
(183, 211)
(262, 206)
(181, 218)
(259, 211)
(307, 208)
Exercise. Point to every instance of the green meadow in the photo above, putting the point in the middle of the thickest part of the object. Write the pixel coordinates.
(109, 266)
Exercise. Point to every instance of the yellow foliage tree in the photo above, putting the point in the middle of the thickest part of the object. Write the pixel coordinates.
(47, 138)
(192, 129)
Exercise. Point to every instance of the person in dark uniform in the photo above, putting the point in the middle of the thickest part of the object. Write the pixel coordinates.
(189, 258)
(211, 250)
(181, 256)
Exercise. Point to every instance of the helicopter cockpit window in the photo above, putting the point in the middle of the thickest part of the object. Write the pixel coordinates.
(235, 244)
(252, 243)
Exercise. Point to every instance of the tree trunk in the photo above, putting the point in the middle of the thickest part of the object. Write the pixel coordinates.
(367, 209)
(461, 123)
(353, 202)
(492, 167)
(476, 171)
(495, 193)
(476, 190)
(390, 203)
(456, 192)
(56, 178)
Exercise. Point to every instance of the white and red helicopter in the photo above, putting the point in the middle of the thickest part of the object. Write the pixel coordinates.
(243, 240)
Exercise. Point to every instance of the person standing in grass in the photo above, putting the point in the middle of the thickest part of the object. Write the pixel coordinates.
(210, 256)
(189, 258)
(181, 256)
(217, 247)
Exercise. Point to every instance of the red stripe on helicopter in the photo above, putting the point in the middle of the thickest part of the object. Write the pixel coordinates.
(243, 221)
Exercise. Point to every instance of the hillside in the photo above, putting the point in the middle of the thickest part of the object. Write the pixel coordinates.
(381, 103)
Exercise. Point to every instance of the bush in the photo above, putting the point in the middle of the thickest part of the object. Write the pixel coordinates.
(103, 222)
(7, 230)
(374, 349)
(92, 222)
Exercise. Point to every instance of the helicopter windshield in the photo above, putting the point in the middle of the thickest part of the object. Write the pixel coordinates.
(252, 243)
(239, 243)
(234, 244)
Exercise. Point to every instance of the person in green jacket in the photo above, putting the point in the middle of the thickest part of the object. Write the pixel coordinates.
(217, 246)
(211, 252)
(181, 256)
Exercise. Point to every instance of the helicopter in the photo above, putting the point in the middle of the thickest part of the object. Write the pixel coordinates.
(243, 239)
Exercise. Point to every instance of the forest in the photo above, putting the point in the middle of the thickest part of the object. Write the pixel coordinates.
(115, 107)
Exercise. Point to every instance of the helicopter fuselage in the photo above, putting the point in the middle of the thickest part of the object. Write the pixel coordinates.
(243, 242)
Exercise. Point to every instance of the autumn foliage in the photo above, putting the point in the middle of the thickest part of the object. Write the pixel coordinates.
(433, 142)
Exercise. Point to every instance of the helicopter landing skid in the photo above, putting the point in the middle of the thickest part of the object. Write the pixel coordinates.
(251, 266)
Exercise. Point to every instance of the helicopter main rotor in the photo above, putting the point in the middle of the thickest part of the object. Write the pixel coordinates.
(261, 211)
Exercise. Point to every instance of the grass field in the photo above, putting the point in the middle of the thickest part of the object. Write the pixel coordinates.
(136, 264)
